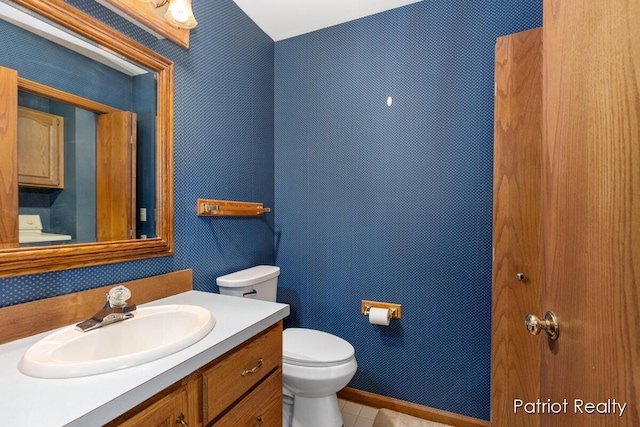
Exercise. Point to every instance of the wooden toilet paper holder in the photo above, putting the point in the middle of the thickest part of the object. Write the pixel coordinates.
(395, 310)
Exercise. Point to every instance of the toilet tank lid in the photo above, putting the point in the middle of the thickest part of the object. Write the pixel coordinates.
(249, 276)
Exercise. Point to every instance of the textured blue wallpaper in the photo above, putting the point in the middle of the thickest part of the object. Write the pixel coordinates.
(223, 149)
(394, 203)
(42, 61)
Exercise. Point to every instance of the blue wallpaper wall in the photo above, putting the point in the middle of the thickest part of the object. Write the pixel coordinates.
(40, 60)
(394, 203)
(223, 149)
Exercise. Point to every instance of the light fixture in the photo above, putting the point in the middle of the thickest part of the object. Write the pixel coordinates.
(178, 13)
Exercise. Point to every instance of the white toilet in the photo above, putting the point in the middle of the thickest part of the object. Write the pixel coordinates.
(315, 364)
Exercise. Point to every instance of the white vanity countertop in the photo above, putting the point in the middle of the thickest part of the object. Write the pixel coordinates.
(97, 399)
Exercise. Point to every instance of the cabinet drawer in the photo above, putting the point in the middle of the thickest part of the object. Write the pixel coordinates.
(262, 407)
(237, 372)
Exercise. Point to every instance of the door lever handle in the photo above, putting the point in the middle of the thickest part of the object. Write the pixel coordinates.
(549, 324)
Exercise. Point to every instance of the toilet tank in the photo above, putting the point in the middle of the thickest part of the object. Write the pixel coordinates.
(259, 282)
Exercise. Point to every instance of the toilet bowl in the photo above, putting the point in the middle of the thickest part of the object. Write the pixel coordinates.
(315, 364)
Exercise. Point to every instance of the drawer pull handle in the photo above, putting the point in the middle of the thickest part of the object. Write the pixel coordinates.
(181, 420)
(254, 369)
(260, 421)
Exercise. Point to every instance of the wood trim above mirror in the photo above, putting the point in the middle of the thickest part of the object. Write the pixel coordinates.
(21, 261)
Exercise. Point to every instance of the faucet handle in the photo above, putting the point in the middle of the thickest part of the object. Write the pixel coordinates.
(118, 296)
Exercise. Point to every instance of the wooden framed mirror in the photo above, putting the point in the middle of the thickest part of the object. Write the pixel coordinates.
(17, 260)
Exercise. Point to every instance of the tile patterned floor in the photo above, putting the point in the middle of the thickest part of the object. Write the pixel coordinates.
(356, 415)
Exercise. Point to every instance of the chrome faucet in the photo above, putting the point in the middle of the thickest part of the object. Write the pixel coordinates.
(116, 309)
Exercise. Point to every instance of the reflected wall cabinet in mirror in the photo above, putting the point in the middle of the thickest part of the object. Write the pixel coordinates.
(86, 135)
(40, 149)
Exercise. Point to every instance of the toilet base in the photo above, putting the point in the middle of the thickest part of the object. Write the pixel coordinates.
(316, 412)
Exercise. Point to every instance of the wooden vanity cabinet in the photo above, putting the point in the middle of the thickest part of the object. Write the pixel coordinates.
(243, 387)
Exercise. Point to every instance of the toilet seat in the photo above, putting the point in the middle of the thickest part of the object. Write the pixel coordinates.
(313, 348)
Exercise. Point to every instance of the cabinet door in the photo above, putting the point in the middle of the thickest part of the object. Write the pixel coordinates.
(40, 149)
(166, 412)
(116, 176)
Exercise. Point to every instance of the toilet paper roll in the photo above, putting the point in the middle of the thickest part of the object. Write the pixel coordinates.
(379, 316)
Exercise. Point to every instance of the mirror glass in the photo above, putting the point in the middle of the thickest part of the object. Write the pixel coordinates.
(58, 179)
(93, 178)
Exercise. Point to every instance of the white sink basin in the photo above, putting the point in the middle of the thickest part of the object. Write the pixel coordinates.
(153, 332)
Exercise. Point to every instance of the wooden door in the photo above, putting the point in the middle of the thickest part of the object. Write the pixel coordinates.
(589, 202)
(116, 176)
(8, 158)
(591, 210)
(516, 234)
